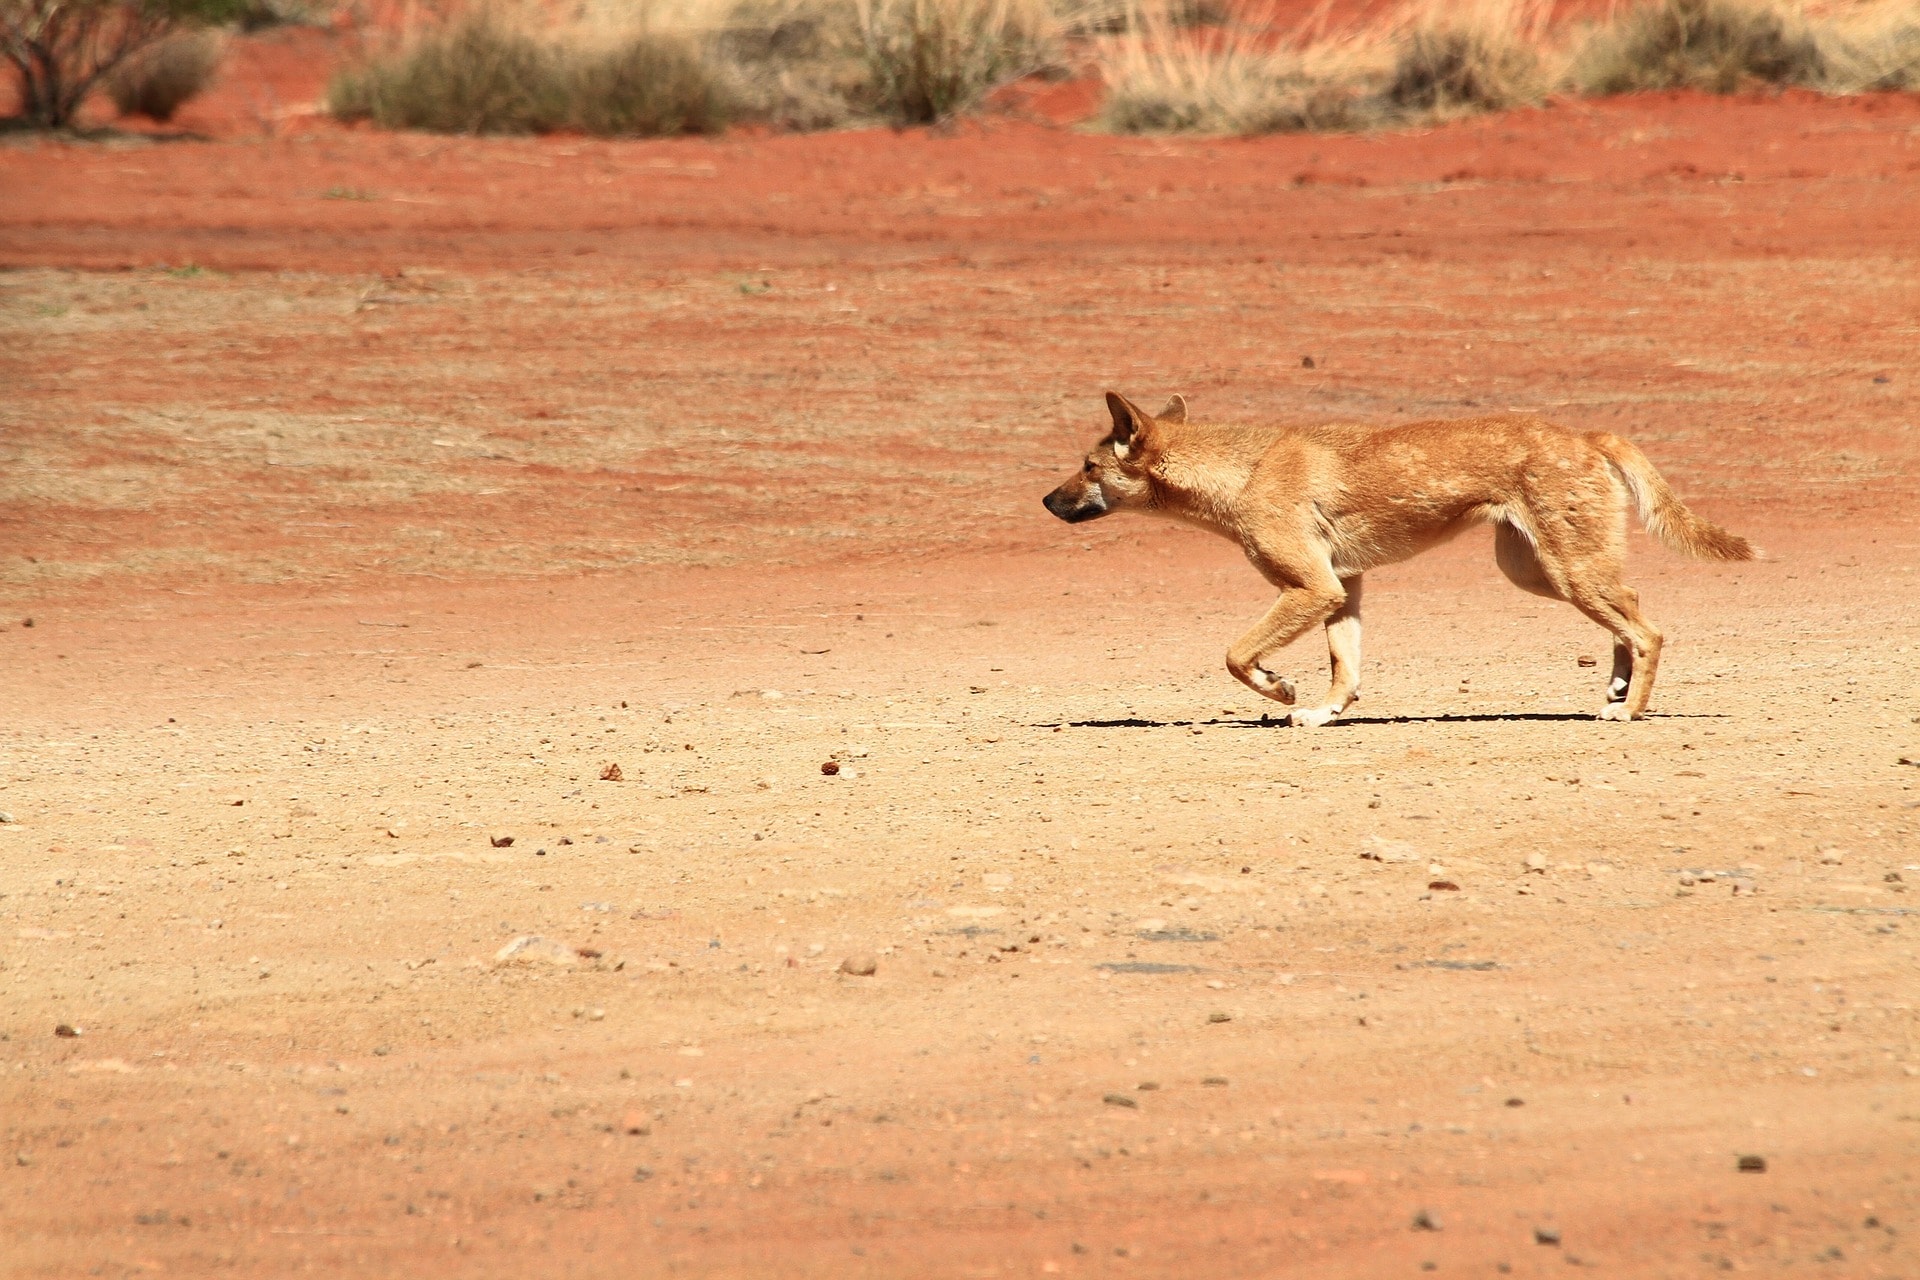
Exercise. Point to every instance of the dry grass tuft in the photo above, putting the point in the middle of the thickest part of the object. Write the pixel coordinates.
(1423, 61)
(1872, 48)
(1717, 45)
(1486, 56)
(484, 73)
(162, 78)
(1233, 87)
(927, 60)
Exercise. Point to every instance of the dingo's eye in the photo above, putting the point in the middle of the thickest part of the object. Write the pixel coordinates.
(1086, 467)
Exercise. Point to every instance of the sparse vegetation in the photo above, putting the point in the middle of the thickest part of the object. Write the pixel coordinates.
(62, 50)
(1169, 65)
(163, 77)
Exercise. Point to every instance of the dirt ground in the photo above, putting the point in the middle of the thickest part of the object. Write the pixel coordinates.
(370, 494)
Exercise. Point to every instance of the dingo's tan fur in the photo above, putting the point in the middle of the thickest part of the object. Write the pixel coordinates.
(1315, 507)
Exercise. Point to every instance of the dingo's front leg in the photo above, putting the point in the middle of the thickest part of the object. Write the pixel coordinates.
(1343, 648)
(1297, 609)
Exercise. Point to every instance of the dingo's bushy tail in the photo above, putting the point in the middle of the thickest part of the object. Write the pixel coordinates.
(1661, 510)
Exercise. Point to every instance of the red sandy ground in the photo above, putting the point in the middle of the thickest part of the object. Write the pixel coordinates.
(369, 493)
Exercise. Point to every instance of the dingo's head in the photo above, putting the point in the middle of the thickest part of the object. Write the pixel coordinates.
(1114, 473)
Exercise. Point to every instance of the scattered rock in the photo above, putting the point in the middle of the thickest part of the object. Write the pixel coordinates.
(1516, 1102)
(1831, 857)
(1752, 1164)
(66, 1031)
(1380, 849)
(531, 948)
(860, 966)
(500, 841)
(1217, 1016)
(1587, 660)
(1537, 863)
(1214, 1082)
(1443, 886)
(1306, 362)
(642, 1173)
(1425, 1221)
(830, 768)
(1120, 1100)
(5, 817)
(1549, 1236)
(612, 773)
(1147, 1086)
(636, 1124)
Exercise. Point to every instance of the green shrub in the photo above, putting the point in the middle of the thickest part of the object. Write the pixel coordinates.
(1715, 45)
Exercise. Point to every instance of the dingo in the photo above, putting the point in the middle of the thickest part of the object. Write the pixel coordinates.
(1316, 507)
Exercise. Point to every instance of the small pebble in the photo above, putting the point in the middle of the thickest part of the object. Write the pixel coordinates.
(1120, 1100)
(830, 768)
(1547, 1236)
(1217, 1016)
(1215, 1082)
(1537, 862)
(1587, 660)
(860, 966)
(1446, 886)
(612, 773)
(1752, 1164)
(501, 841)
(1425, 1221)
(66, 1031)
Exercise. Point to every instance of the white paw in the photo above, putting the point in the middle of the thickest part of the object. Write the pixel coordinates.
(1314, 717)
(1276, 687)
(1615, 711)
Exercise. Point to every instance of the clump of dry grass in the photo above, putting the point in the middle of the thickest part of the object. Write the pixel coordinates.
(1423, 61)
(160, 79)
(484, 73)
(1485, 56)
(1716, 45)
(1233, 86)
(929, 59)
(1872, 48)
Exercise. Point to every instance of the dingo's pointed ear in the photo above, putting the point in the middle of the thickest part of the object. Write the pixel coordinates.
(1176, 410)
(1130, 424)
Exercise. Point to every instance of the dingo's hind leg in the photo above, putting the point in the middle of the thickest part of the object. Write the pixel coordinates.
(1608, 601)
